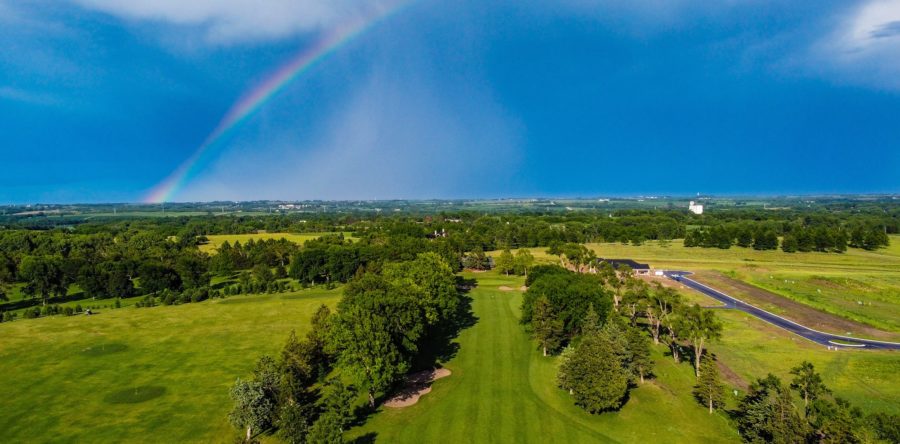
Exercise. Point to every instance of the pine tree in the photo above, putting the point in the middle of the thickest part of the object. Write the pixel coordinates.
(639, 352)
(591, 324)
(594, 375)
(546, 327)
(709, 389)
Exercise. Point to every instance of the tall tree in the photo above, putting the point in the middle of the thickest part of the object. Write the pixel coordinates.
(659, 307)
(709, 389)
(253, 408)
(43, 276)
(505, 262)
(594, 375)
(367, 349)
(592, 323)
(807, 383)
(338, 400)
(767, 414)
(546, 327)
(326, 430)
(698, 326)
(524, 261)
(639, 352)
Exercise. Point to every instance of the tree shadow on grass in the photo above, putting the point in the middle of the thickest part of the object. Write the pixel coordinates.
(135, 395)
(440, 346)
(435, 349)
(27, 302)
(368, 438)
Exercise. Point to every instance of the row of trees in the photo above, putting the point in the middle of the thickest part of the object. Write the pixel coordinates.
(795, 237)
(268, 252)
(291, 396)
(517, 264)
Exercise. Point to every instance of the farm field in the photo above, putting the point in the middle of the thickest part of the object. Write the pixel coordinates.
(215, 240)
(158, 374)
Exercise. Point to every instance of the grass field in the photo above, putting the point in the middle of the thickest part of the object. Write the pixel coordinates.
(157, 374)
(215, 240)
(162, 375)
(863, 286)
(503, 390)
(753, 348)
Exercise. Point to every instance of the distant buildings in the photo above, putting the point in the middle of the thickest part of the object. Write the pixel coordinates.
(636, 267)
(695, 208)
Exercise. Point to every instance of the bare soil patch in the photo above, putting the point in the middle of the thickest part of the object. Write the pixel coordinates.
(666, 282)
(506, 288)
(789, 309)
(417, 384)
(730, 376)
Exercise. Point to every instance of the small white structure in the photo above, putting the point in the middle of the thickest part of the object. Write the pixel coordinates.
(695, 208)
(658, 273)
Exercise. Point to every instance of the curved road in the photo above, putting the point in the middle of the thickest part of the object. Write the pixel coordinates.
(826, 339)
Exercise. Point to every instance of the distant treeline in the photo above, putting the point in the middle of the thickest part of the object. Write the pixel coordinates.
(133, 257)
(796, 237)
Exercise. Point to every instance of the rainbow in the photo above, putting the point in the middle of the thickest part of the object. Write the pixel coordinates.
(259, 96)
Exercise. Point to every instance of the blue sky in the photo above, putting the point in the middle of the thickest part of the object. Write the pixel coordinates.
(100, 100)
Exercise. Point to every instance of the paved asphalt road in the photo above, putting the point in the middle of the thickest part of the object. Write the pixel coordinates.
(818, 337)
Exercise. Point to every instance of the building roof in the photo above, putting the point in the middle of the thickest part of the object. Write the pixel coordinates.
(617, 262)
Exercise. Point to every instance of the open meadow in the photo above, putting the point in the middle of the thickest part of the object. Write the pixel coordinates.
(158, 374)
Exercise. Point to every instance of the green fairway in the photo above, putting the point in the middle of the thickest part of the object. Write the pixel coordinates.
(215, 240)
(158, 374)
(503, 390)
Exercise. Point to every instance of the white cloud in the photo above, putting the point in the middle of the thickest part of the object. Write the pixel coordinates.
(398, 138)
(30, 97)
(864, 48)
(226, 21)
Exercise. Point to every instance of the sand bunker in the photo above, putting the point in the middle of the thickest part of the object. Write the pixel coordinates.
(417, 384)
(504, 288)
